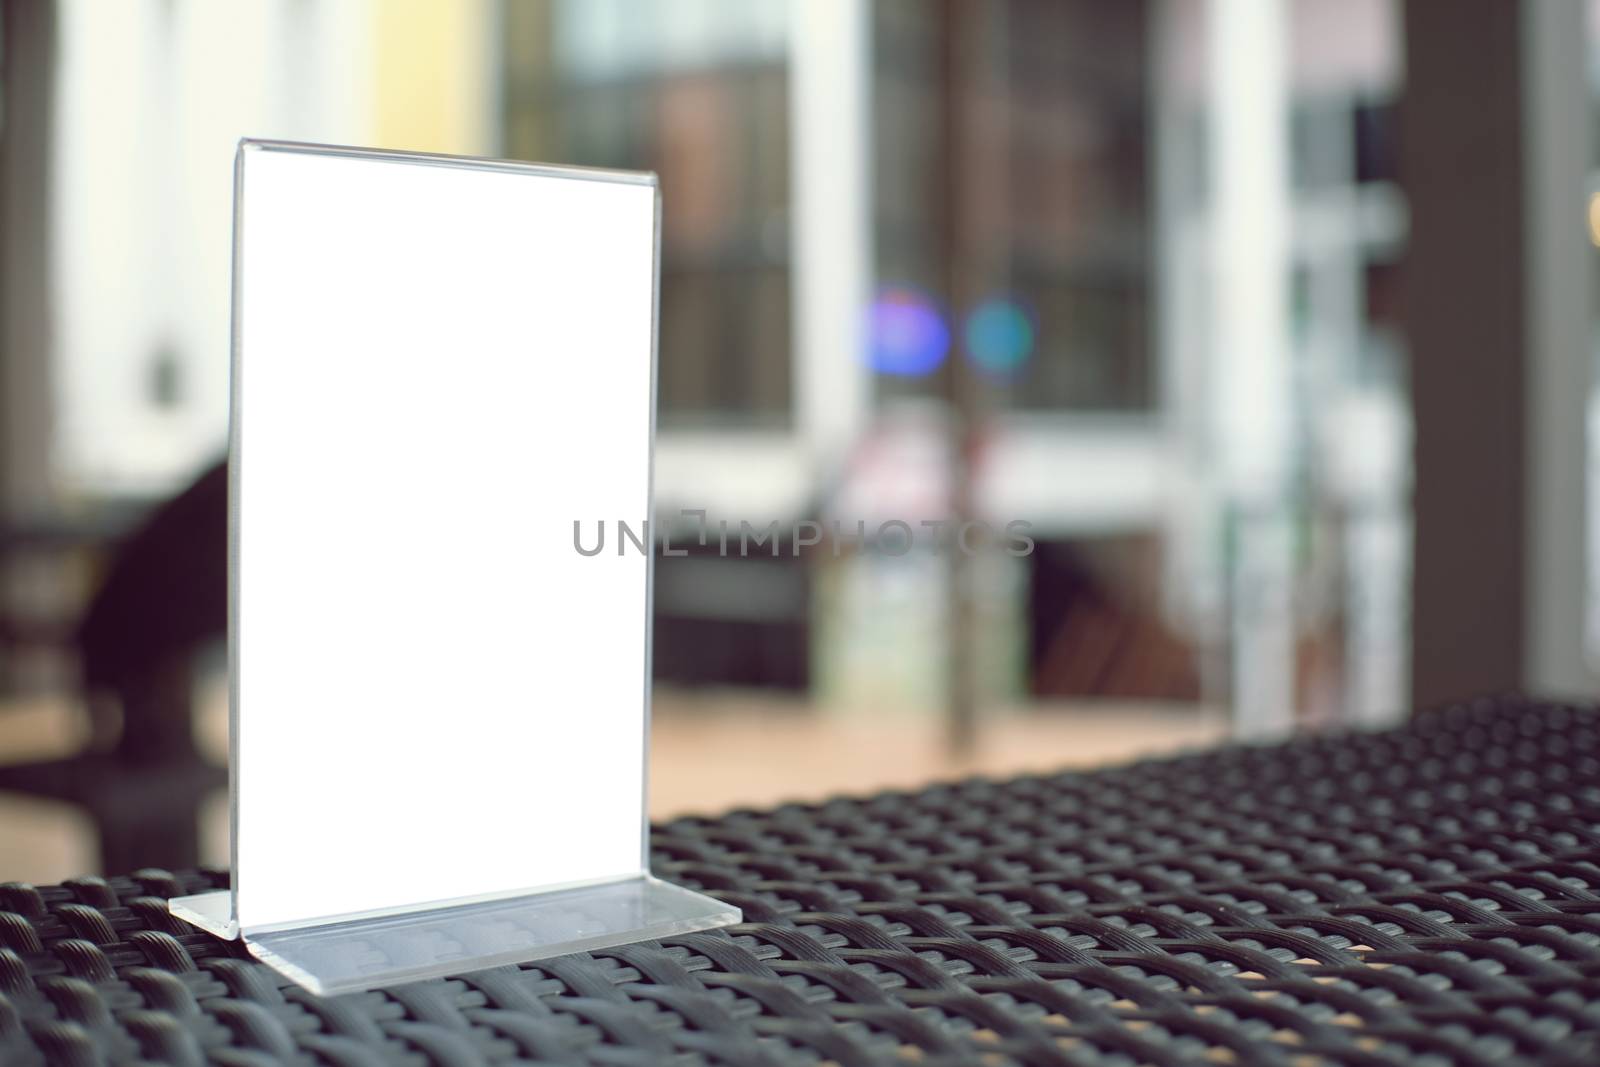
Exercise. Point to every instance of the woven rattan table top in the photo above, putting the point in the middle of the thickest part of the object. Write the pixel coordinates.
(1429, 895)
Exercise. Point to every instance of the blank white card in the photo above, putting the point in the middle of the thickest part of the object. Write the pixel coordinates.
(440, 367)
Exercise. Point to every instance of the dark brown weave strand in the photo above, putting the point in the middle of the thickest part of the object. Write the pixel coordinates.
(1429, 895)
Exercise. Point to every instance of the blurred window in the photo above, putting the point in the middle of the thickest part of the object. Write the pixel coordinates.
(1056, 129)
(697, 92)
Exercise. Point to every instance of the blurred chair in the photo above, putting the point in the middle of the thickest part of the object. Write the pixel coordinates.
(164, 599)
(1094, 634)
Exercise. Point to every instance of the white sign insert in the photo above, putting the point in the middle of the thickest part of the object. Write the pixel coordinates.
(439, 706)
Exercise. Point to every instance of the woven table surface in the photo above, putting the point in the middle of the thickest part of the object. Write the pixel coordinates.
(1429, 895)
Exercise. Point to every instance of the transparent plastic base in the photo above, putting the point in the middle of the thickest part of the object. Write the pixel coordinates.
(357, 954)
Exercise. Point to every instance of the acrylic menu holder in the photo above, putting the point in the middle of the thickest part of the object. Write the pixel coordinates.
(439, 707)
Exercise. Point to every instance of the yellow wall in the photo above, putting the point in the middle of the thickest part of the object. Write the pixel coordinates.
(433, 75)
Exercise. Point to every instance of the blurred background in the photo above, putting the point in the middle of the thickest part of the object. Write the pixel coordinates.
(1272, 317)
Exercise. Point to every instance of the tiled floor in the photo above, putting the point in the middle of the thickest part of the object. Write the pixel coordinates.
(709, 752)
(712, 753)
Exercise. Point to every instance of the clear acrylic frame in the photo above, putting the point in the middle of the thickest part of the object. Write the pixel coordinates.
(439, 711)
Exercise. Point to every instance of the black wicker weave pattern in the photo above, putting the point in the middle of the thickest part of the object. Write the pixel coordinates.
(1430, 895)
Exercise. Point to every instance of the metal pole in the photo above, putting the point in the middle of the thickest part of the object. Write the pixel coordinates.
(959, 30)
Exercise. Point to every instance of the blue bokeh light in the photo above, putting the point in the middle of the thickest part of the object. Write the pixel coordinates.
(999, 336)
(906, 334)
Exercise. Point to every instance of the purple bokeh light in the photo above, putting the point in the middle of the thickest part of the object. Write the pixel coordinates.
(907, 336)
